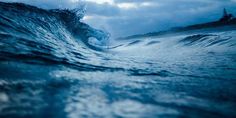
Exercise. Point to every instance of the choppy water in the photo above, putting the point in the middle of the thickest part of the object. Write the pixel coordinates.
(53, 67)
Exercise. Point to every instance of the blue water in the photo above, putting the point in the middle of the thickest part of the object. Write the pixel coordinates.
(53, 65)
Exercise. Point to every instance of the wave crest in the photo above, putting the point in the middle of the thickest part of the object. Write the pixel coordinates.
(26, 30)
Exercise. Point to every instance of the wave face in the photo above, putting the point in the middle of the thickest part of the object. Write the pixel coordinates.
(55, 35)
(53, 65)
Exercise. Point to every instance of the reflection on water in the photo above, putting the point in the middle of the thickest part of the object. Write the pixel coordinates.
(190, 86)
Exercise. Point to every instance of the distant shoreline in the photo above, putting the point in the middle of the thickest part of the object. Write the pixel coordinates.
(227, 22)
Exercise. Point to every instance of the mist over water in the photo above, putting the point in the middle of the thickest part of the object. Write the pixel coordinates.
(53, 65)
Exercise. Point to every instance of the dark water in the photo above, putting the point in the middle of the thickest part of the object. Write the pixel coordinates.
(52, 65)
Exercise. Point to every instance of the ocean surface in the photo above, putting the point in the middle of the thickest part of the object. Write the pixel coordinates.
(54, 66)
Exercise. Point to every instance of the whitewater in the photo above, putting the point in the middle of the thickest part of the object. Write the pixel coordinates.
(53, 65)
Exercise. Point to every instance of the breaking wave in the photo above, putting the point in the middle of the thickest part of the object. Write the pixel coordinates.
(28, 32)
(54, 65)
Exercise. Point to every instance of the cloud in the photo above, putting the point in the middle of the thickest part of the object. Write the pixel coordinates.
(127, 17)
(142, 16)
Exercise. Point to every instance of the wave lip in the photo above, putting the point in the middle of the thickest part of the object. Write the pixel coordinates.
(51, 35)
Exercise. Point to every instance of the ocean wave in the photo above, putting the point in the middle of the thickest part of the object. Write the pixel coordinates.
(31, 32)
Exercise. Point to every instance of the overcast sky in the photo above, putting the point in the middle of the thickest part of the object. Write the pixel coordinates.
(128, 17)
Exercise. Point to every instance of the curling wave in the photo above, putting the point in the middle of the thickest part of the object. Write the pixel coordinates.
(53, 35)
(53, 65)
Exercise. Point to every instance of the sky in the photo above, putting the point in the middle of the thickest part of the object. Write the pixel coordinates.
(128, 17)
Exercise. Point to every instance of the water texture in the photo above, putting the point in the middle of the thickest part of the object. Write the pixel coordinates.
(53, 65)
